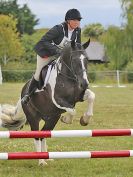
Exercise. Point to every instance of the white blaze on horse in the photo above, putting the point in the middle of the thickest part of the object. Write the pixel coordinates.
(66, 85)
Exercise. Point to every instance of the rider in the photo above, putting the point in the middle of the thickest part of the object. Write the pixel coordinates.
(50, 45)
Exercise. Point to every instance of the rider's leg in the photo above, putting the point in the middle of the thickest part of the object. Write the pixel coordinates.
(41, 62)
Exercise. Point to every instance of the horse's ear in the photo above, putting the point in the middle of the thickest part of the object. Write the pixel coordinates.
(86, 44)
(73, 44)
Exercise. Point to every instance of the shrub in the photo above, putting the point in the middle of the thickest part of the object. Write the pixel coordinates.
(92, 76)
(129, 68)
(16, 75)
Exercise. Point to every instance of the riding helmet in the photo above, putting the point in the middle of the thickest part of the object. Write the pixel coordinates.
(73, 14)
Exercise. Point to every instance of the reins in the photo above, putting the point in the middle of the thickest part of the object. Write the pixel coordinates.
(70, 68)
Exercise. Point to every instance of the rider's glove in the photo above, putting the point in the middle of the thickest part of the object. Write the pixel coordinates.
(58, 52)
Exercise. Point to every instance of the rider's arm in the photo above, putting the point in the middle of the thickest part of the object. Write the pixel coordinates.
(46, 45)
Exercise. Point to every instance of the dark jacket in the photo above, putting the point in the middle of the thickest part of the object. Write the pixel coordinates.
(46, 47)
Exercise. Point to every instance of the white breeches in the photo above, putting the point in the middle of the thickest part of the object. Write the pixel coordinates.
(41, 62)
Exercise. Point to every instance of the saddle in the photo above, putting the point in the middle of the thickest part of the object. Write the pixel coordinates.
(43, 80)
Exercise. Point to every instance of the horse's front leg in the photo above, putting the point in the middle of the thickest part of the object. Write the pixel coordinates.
(90, 97)
(40, 145)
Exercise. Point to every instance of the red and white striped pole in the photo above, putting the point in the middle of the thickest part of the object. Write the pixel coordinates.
(64, 155)
(66, 133)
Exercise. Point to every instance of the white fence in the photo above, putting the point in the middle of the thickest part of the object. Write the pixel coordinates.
(110, 78)
(115, 78)
(0, 76)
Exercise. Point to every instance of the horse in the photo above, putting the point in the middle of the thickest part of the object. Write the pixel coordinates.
(66, 84)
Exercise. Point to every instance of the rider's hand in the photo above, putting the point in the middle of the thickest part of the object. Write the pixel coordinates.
(58, 52)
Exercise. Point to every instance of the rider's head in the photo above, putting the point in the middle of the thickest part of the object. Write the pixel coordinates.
(73, 18)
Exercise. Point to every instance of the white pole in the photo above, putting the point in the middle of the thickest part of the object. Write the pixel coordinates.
(0, 76)
(118, 78)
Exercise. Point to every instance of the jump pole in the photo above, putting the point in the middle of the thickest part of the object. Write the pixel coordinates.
(66, 133)
(64, 155)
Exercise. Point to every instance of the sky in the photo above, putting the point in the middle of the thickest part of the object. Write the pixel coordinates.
(52, 12)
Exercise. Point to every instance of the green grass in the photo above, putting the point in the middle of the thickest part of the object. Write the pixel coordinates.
(113, 109)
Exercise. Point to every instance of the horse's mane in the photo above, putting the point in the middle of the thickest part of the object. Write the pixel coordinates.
(72, 45)
(69, 47)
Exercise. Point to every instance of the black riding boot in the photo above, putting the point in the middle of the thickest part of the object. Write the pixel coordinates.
(33, 85)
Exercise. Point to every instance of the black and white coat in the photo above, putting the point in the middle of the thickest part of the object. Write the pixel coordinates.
(48, 45)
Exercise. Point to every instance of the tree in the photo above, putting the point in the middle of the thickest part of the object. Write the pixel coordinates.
(26, 19)
(29, 42)
(127, 6)
(93, 30)
(119, 41)
(117, 50)
(10, 46)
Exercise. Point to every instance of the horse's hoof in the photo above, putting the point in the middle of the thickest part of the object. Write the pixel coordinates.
(82, 122)
(66, 120)
(42, 162)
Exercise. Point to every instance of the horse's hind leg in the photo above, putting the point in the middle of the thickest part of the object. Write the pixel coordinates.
(34, 124)
(44, 148)
(90, 97)
(49, 125)
(39, 143)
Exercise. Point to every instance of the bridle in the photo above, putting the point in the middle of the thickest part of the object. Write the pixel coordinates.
(70, 68)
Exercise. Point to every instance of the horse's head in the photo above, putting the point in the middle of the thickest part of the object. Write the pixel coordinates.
(74, 63)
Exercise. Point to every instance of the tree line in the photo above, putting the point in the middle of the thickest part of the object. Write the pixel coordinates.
(118, 41)
(18, 37)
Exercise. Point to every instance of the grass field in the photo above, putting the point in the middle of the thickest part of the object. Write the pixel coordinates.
(113, 109)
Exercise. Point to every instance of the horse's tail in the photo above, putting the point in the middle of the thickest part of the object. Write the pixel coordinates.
(12, 117)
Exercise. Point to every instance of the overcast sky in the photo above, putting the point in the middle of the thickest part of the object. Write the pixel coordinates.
(52, 12)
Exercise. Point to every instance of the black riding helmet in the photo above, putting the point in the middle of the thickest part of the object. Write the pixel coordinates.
(73, 14)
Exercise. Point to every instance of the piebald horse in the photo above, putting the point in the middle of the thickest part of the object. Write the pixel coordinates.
(66, 85)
